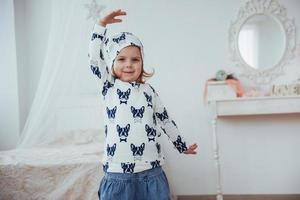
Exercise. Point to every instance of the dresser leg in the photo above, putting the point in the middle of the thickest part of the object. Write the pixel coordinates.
(216, 157)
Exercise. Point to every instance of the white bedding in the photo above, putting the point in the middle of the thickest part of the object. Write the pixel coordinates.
(57, 172)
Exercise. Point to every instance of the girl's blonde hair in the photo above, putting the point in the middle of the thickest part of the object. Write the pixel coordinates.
(144, 76)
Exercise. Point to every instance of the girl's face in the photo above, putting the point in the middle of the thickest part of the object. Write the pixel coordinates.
(128, 64)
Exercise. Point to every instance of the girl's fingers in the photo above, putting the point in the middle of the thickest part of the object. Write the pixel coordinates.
(122, 13)
(114, 14)
(191, 149)
(194, 146)
(118, 12)
(116, 21)
(193, 152)
(112, 18)
(190, 152)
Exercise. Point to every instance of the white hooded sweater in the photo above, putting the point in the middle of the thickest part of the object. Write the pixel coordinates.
(134, 116)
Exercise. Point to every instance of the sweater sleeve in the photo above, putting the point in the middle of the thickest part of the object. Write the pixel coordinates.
(167, 125)
(96, 55)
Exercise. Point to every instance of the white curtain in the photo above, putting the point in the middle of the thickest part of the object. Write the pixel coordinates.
(67, 98)
(61, 146)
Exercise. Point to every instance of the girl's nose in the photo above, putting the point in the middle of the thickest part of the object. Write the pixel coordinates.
(128, 64)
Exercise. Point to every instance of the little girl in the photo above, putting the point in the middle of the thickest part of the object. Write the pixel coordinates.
(134, 118)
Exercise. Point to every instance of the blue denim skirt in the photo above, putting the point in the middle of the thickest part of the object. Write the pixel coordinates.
(151, 184)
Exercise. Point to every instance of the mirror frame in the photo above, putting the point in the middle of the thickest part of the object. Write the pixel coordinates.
(277, 12)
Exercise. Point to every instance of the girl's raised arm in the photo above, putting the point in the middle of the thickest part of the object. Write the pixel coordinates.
(96, 47)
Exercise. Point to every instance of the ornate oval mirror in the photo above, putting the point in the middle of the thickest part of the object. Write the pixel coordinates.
(262, 40)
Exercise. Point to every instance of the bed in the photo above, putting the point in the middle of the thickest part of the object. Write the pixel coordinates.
(68, 168)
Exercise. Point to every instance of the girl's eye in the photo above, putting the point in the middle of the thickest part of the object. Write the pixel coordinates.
(121, 59)
(135, 60)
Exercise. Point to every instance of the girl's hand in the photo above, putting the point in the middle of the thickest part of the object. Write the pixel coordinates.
(110, 18)
(191, 149)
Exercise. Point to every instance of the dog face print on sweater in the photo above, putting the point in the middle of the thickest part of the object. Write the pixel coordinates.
(96, 71)
(111, 113)
(137, 113)
(110, 151)
(128, 167)
(106, 86)
(179, 144)
(118, 39)
(137, 151)
(155, 164)
(105, 167)
(135, 85)
(123, 132)
(123, 96)
(151, 133)
(95, 35)
(149, 100)
(163, 117)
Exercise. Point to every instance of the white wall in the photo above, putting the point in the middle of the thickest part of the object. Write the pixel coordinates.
(187, 42)
(9, 109)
